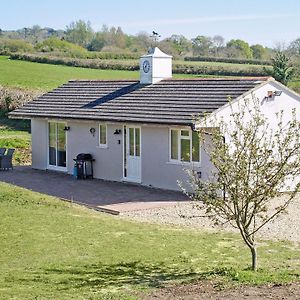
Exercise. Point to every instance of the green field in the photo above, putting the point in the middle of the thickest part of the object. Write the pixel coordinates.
(52, 249)
(46, 77)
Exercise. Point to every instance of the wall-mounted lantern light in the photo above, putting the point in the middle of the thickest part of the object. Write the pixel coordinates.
(118, 131)
(92, 131)
(277, 93)
(272, 94)
(67, 128)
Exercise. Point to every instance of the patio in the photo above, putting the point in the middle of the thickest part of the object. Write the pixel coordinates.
(107, 196)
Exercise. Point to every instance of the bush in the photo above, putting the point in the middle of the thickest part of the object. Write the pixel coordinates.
(129, 65)
(54, 44)
(219, 69)
(133, 65)
(11, 98)
(228, 60)
(8, 45)
(60, 48)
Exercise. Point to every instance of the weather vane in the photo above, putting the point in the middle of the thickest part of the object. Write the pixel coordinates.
(155, 37)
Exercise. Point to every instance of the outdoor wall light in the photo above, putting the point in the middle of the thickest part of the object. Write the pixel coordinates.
(67, 128)
(118, 131)
(277, 93)
(92, 131)
(272, 94)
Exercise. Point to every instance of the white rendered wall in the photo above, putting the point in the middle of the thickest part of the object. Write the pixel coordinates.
(286, 102)
(39, 143)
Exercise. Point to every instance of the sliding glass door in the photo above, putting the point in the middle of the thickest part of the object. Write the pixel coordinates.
(57, 146)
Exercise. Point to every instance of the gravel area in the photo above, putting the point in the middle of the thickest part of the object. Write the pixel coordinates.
(285, 227)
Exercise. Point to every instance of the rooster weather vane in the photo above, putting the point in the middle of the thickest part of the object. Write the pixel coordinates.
(155, 37)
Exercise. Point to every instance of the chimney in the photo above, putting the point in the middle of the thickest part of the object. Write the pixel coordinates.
(155, 66)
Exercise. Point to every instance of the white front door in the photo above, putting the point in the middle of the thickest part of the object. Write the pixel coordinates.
(132, 153)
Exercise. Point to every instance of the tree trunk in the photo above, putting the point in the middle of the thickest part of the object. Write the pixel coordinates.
(254, 258)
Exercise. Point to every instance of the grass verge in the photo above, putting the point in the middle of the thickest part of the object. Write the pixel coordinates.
(56, 250)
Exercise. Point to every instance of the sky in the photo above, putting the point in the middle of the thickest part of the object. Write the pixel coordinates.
(267, 22)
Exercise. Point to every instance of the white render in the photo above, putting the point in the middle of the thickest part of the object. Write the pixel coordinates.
(160, 66)
(156, 168)
(269, 107)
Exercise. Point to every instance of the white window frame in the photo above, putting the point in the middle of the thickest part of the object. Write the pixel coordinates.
(179, 138)
(99, 136)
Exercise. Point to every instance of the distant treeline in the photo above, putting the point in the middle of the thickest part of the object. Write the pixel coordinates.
(113, 40)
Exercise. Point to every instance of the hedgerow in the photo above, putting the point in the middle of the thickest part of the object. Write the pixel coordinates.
(133, 65)
(228, 60)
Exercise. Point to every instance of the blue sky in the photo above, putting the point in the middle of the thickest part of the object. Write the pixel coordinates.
(266, 21)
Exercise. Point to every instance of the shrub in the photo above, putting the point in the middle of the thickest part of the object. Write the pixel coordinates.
(129, 65)
(11, 98)
(8, 45)
(219, 70)
(54, 44)
(228, 60)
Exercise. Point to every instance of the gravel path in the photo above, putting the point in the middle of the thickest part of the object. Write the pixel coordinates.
(284, 227)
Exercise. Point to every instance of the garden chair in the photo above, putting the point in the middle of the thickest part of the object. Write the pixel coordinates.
(6, 160)
(2, 151)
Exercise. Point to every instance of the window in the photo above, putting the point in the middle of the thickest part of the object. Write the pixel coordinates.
(184, 145)
(102, 135)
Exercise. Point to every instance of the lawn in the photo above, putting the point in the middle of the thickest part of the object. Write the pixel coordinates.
(57, 250)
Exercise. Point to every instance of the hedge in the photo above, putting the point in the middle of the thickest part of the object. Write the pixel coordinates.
(79, 62)
(133, 65)
(228, 60)
(89, 54)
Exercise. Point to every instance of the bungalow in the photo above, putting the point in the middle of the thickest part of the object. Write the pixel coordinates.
(138, 131)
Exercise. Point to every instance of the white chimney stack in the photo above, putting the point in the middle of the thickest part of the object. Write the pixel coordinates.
(155, 66)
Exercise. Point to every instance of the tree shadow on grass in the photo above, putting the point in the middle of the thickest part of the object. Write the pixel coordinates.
(131, 273)
(102, 276)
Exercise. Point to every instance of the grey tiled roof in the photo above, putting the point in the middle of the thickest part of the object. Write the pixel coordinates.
(167, 102)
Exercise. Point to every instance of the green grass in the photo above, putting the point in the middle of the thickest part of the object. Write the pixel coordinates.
(19, 140)
(46, 77)
(295, 85)
(32, 75)
(56, 250)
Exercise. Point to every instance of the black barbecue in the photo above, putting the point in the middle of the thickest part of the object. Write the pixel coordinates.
(83, 168)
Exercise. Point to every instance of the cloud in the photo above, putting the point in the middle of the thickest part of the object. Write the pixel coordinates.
(207, 20)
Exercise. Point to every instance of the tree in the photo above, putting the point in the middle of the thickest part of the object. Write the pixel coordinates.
(282, 70)
(143, 41)
(180, 43)
(218, 44)
(242, 46)
(202, 45)
(294, 47)
(252, 165)
(97, 43)
(218, 41)
(259, 51)
(80, 33)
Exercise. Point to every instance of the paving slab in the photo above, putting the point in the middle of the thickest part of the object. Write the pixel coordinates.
(95, 193)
